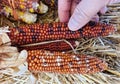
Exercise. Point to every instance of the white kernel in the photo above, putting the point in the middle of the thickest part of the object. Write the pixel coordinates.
(88, 69)
(58, 59)
(87, 61)
(87, 65)
(43, 60)
(58, 64)
(74, 56)
(77, 59)
(71, 69)
(79, 62)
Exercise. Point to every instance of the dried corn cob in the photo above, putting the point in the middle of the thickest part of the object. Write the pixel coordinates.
(51, 31)
(23, 16)
(54, 46)
(24, 5)
(41, 60)
(21, 4)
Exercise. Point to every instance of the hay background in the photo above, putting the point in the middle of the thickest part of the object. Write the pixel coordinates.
(106, 48)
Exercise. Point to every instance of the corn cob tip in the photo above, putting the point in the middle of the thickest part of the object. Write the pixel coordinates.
(94, 29)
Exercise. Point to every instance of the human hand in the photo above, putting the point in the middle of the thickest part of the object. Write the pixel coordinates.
(79, 12)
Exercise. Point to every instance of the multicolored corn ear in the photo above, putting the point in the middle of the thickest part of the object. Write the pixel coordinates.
(34, 33)
(22, 16)
(53, 46)
(23, 5)
(57, 62)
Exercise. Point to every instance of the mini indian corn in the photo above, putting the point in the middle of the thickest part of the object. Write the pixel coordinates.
(34, 33)
(20, 15)
(53, 46)
(57, 62)
(23, 5)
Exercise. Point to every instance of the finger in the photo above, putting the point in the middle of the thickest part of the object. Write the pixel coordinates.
(84, 12)
(74, 4)
(103, 10)
(64, 10)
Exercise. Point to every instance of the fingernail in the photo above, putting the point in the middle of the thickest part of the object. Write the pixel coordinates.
(73, 25)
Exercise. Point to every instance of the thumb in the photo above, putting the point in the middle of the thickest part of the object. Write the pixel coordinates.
(84, 12)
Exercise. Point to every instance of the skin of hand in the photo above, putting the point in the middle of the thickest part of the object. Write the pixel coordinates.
(79, 12)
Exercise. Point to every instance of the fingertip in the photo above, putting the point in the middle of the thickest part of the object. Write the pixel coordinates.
(73, 26)
(83, 13)
(77, 21)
